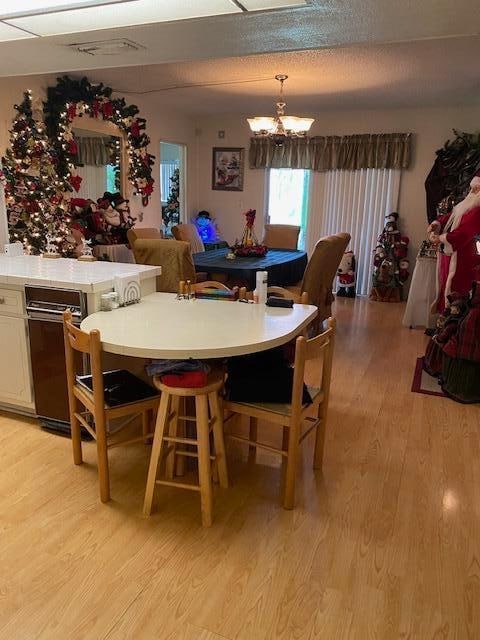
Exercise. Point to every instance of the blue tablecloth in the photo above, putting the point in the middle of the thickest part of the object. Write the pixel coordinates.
(285, 266)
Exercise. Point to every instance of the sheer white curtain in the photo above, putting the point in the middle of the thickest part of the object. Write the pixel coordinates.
(94, 183)
(357, 202)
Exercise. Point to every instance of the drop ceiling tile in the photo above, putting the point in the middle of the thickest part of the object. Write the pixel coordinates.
(122, 15)
(23, 7)
(258, 5)
(11, 33)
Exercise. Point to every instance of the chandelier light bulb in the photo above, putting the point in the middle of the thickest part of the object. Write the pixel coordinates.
(280, 126)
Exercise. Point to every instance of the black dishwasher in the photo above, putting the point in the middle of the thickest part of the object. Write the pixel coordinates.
(45, 307)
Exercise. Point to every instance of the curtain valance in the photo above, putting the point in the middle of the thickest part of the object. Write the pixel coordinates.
(325, 153)
(95, 151)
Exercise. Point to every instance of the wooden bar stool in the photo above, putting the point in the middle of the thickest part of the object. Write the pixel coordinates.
(166, 433)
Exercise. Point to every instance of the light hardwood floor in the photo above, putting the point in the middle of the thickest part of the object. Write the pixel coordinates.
(385, 544)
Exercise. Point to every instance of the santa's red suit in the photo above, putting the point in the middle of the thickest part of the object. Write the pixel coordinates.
(458, 260)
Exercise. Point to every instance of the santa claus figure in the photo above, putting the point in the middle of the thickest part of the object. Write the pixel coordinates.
(455, 234)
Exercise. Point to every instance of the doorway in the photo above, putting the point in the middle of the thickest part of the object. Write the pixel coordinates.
(288, 194)
(173, 162)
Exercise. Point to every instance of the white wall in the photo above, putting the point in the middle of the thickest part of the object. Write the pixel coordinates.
(431, 126)
(161, 125)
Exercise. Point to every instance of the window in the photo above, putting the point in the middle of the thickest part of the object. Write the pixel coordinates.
(288, 198)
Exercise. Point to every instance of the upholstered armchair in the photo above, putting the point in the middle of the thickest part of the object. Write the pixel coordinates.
(173, 256)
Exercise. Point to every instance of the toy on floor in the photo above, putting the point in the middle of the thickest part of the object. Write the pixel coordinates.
(346, 276)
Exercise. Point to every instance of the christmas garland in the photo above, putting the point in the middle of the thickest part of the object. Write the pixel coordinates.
(77, 98)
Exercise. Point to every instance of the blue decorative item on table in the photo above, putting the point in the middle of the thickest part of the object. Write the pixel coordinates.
(206, 227)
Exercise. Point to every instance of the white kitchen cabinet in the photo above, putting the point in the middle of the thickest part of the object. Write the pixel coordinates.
(15, 377)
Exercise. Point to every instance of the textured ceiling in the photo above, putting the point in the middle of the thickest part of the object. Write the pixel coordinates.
(325, 23)
(430, 72)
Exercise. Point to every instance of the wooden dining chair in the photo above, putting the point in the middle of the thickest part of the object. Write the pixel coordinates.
(97, 414)
(279, 292)
(211, 284)
(294, 417)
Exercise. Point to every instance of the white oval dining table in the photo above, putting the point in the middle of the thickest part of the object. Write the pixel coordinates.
(160, 326)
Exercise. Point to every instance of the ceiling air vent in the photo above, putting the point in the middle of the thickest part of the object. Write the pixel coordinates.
(116, 47)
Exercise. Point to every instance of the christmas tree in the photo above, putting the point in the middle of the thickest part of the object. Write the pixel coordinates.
(390, 264)
(37, 210)
(171, 211)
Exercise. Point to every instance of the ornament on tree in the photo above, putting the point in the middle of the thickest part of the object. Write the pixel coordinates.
(390, 264)
(37, 210)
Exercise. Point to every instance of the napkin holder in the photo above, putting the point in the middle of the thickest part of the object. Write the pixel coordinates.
(128, 289)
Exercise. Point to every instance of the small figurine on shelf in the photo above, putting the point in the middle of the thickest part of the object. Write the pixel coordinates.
(87, 252)
(346, 276)
(51, 248)
(249, 246)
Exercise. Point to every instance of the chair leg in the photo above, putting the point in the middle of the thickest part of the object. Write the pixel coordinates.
(156, 451)
(102, 458)
(216, 411)
(180, 467)
(76, 436)
(253, 435)
(204, 469)
(292, 461)
(145, 425)
(172, 431)
(319, 438)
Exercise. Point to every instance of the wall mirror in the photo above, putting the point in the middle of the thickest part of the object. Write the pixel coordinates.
(101, 161)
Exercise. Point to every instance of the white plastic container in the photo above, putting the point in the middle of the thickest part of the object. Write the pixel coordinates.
(261, 288)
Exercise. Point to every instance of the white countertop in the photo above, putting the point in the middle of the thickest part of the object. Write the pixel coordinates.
(67, 273)
(161, 326)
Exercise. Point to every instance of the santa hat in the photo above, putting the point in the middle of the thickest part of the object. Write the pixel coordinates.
(476, 179)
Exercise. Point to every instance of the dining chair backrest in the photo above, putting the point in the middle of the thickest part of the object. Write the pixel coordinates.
(189, 233)
(143, 233)
(321, 270)
(319, 347)
(211, 284)
(86, 343)
(173, 256)
(278, 292)
(281, 236)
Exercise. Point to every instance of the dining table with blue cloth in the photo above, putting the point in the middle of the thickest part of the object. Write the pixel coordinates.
(284, 266)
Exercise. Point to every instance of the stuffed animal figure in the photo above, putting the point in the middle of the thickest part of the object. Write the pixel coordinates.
(391, 233)
(403, 271)
(379, 256)
(346, 276)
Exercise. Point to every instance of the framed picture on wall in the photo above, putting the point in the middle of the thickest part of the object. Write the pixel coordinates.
(227, 168)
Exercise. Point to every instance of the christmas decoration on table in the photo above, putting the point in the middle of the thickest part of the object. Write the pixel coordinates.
(390, 264)
(249, 247)
(346, 276)
(171, 211)
(71, 99)
(206, 227)
(447, 325)
(36, 197)
(461, 355)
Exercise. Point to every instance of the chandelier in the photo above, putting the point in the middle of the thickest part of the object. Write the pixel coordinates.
(280, 126)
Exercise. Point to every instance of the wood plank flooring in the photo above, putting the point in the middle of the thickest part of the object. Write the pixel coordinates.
(384, 544)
